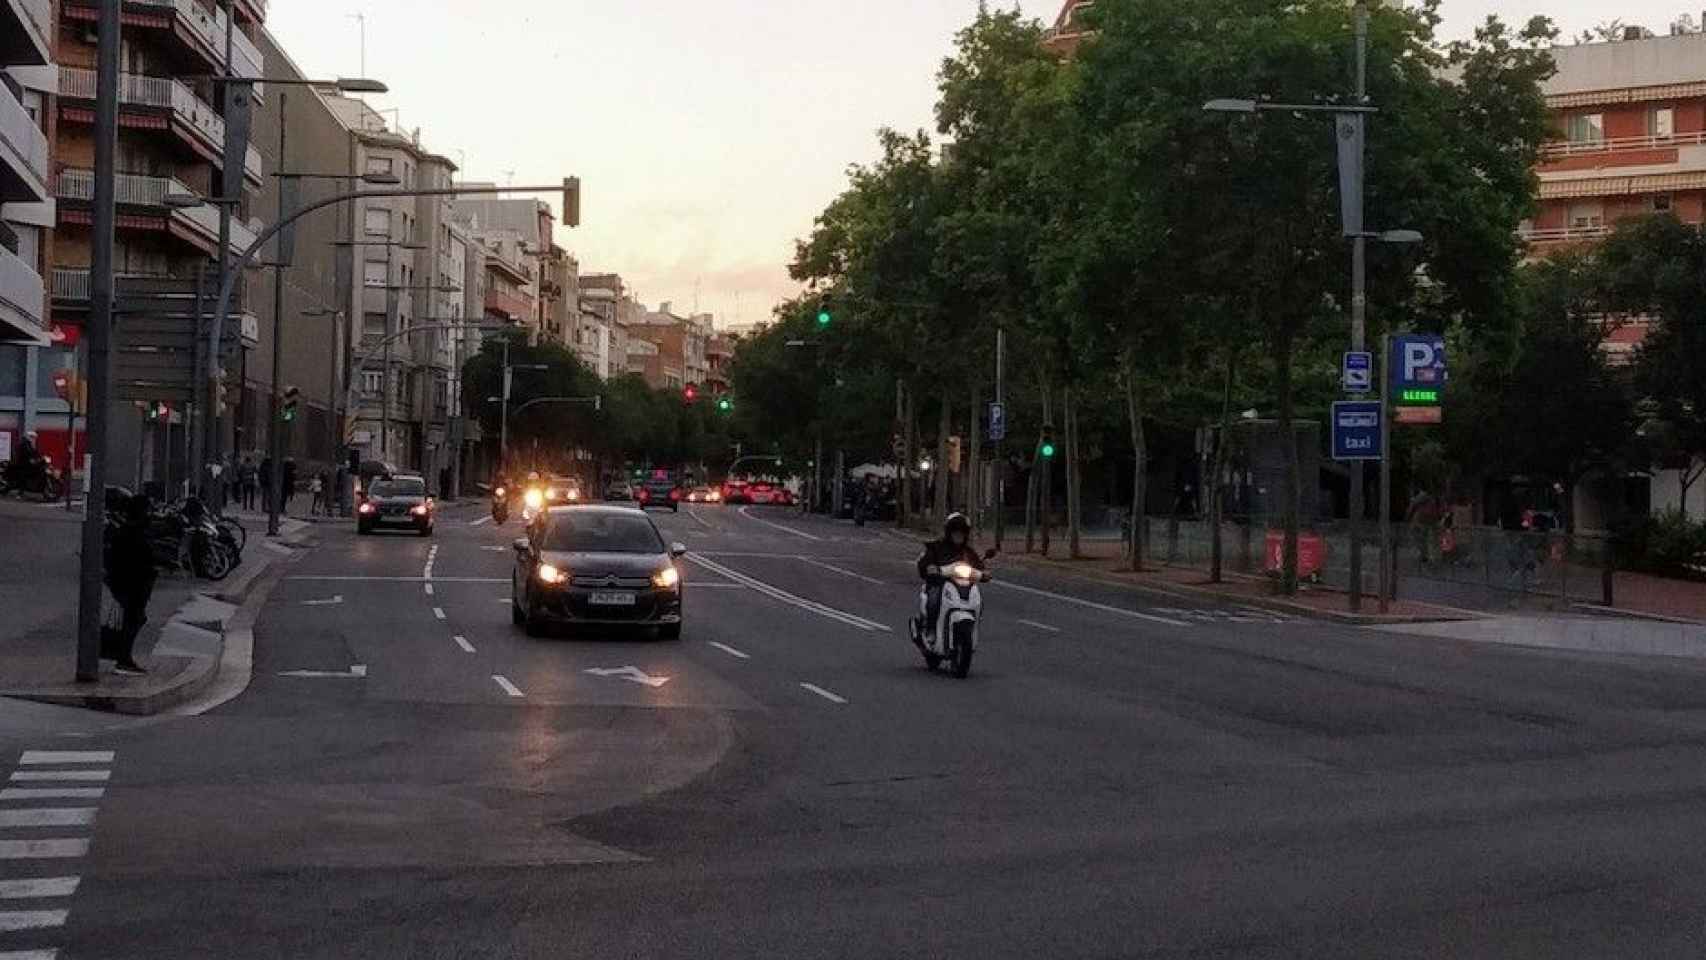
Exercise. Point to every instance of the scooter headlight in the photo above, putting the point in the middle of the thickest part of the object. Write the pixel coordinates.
(499, 492)
(963, 572)
(534, 499)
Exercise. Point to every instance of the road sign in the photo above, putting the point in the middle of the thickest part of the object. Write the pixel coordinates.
(1427, 415)
(1418, 373)
(154, 339)
(1359, 372)
(997, 422)
(1356, 430)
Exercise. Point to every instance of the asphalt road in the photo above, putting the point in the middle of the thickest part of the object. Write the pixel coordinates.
(1121, 776)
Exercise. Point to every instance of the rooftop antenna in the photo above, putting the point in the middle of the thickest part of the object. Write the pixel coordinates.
(361, 24)
(696, 282)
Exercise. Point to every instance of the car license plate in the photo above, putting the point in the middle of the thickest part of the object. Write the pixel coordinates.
(611, 599)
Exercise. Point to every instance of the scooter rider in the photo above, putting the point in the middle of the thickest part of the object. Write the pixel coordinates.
(954, 547)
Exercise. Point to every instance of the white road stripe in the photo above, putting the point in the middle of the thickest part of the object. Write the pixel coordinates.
(53, 793)
(1121, 611)
(832, 698)
(32, 757)
(29, 954)
(731, 651)
(778, 593)
(844, 572)
(38, 888)
(402, 579)
(508, 687)
(715, 585)
(51, 848)
(464, 644)
(47, 817)
(31, 919)
(438, 612)
(479, 522)
(37, 776)
(698, 519)
(747, 513)
(1040, 626)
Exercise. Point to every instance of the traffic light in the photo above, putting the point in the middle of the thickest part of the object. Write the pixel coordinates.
(159, 410)
(292, 400)
(1046, 448)
(690, 394)
(824, 316)
(725, 405)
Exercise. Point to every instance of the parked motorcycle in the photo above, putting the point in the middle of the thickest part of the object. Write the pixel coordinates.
(40, 479)
(952, 637)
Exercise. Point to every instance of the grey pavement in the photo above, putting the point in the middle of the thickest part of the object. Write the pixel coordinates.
(1122, 775)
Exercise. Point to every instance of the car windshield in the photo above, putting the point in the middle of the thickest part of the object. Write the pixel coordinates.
(398, 488)
(603, 533)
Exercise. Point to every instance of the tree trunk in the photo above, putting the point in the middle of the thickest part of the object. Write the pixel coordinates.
(944, 425)
(1292, 504)
(1217, 547)
(1140, 467)
(1031, 482)
(1073, 545)
(971, 472)
(1045, 485)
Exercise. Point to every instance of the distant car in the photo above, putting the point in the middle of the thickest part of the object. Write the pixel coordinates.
(562, 490)
(619, 491)
(659, 490)
(399, 501)
(703, 494)
(767, 493)
(600, 566)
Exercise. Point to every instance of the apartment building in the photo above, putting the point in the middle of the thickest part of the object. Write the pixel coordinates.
(614, 311)
(527, 227)
(678, 346)
(26, 206)
(408, 295)
(719, 356)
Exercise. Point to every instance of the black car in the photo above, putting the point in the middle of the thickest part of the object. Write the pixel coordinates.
(597, 566)
(396, 502)
(659, 490)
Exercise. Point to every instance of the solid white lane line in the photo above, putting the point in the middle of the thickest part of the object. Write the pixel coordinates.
(508, 687)
(66, 756)
(1040, 626)
(29, 954)
(480, 522)
(31, 919)
(438, 612)
(1121, 611)
(402, 579)
(464, 644)
(777, 593)
(48, 817)
(844, 572)
(37, 776)
(39, 888)
(714, 585)
(832, 698)
(51, 848)
(53, 793)
(747, 513)
(428, 589)
(731, 651)
(698, 519)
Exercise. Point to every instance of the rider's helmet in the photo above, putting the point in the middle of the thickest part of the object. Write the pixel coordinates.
(956, 521)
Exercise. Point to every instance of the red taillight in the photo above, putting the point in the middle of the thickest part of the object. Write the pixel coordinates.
(675, 494)
(642, 494)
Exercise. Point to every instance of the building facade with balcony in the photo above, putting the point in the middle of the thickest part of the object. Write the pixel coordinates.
(27, 396)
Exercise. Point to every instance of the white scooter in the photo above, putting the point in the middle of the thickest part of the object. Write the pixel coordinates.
(953, 637)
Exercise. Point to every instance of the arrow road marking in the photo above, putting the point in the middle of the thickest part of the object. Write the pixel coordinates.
(629, 673)
(731, 651)
(357, 672)
(334, 601)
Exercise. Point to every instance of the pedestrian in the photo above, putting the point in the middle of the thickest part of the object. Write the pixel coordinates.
(340, 490)
(287, 486)
(130, 577)
(317, 491)
(246, 483)
(269, 477)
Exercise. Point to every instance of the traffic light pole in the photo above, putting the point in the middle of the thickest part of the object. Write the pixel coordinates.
(275, 431)
(1000, 445)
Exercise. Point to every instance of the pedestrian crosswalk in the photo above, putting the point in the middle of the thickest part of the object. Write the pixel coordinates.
(48, 805)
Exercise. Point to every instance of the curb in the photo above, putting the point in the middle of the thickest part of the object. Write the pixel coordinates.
(1274, 604)
(1600, 610)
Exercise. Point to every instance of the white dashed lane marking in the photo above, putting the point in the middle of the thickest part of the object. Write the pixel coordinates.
(731, 651)
(1040, 626)
(464, 644)
(438, 612)
(831, 697)
(508, 687)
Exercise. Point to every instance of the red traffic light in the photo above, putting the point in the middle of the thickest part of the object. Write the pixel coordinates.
(690, 393)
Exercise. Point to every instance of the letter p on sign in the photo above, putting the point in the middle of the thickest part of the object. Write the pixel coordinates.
(1418, 361)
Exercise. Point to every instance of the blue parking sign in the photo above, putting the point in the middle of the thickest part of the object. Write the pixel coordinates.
(1359, 372)
(997, 422)
(1356, 430)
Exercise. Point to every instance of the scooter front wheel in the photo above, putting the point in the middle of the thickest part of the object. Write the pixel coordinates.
(962, 649)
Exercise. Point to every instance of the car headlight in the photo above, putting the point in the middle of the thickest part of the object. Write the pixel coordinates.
(573, 495)
(420, 510)
(534, 499)
(715, 496)
(364, 508)
(666, 578)
(552, 575)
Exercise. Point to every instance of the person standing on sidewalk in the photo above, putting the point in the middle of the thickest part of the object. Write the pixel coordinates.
(130, 577)
(269, 477)
(246, 483)
(287, 487)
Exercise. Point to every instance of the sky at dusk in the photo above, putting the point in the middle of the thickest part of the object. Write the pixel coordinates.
(707, 135)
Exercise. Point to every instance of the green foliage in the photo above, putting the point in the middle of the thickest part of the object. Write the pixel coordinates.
(1667, 543)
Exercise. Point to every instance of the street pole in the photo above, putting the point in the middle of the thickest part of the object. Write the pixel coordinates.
(1000, 445)
(334, 317)
(92, 563)
(211, 448)
(393, 303)
(275, 432)
(1359, 310)
(1388, 569)
(503, 417)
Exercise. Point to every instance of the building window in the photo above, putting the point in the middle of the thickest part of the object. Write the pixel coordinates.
(379, 165)
(1661, 123)
(1587, 128)
(374, 273)
(372, 381)
(1586, 215)
(377, 222)
(373, 325)
(1661, 203)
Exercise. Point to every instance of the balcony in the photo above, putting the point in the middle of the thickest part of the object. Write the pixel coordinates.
(1577, 234)
(201, 27)
(24, 40)
(22, 301)
(193, 118)
(1565, 149)
(23, 153)
(508, 306)
(199, 223)
(253, 11)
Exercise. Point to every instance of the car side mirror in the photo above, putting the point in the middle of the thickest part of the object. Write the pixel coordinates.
(678, 550)
(523, 546)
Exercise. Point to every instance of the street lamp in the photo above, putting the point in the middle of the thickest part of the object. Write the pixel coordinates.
(373, 179)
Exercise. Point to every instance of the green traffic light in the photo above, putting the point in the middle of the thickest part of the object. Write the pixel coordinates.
(725, 405)
(1048, 451)
(824, 318)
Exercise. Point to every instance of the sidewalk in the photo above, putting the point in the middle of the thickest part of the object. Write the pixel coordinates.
(1103, 561)
(180, 646)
